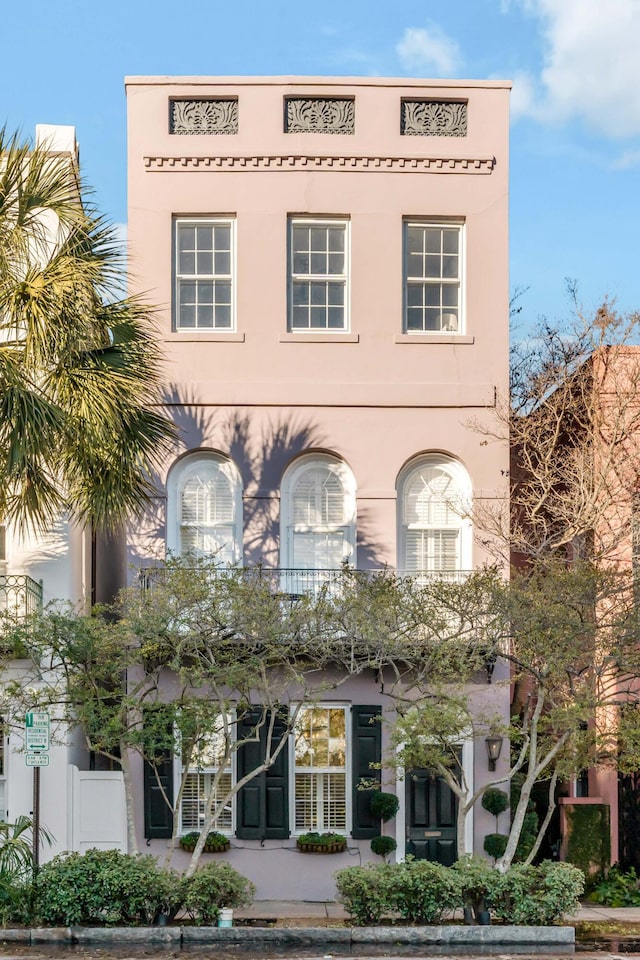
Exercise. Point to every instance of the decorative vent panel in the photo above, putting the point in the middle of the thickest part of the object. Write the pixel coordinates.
(203, 117)
(319, 115)
(433, 118)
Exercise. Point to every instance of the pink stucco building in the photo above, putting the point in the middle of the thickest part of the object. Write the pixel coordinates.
(330, 261)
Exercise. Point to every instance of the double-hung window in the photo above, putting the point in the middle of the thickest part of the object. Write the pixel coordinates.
(204, 269)
(320, 781)
(433, 277)
(318, 275)
(208, 780)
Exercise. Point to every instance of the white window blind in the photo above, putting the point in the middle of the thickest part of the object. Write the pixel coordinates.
(319, 530)
(199, 787)
(432, 520)
(207, 513)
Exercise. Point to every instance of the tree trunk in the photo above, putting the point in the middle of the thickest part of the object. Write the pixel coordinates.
(125, 763)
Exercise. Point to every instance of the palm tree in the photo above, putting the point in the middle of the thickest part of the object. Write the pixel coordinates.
(79, 363)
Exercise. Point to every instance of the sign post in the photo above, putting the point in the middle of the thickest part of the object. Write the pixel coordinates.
(36, 742)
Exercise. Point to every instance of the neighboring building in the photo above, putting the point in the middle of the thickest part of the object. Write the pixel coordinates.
(79, 806)
(579, 501)
(330, 258)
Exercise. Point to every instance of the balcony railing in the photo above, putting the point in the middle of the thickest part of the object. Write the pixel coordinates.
(295, 582)
(20, 597)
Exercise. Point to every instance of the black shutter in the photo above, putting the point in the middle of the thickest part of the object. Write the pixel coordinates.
(158, 815)
(367, 749)
(249, 817)
(276, 787)
(262, 809)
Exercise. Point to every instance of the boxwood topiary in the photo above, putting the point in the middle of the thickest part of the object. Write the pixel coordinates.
(384, 806)
(495, 844)
(383, 845)
(495, 801)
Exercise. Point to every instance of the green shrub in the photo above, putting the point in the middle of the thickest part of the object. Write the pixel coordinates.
(495, 844)
(384, 806)
(15, 902)
(104, 886)
(495, 801)
(364, 891)
(536, 895)
(618, 889)
(422, 891)
(589, 842)
(383, 846)
(213, 886)
(477, 879)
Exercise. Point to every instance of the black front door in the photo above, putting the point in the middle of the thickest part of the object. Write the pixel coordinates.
(431, 810)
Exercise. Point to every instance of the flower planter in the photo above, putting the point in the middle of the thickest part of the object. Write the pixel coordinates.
(322, 847)
(216, 848)
(215, 843)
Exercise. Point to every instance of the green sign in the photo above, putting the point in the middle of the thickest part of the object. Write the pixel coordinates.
(36, 731)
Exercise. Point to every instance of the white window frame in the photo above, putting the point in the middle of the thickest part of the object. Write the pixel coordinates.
(464, 492)
(228, 831)
(447, 328)
(343, 278)
(180, 278)
(180, 473)
(289, 483)
(348, 772)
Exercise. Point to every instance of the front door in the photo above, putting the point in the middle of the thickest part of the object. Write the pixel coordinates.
(431, 818)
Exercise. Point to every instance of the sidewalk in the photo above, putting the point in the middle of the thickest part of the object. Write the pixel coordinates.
(329, 910)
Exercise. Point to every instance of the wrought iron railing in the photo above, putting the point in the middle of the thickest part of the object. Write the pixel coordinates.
(292, 582)
(20, 597)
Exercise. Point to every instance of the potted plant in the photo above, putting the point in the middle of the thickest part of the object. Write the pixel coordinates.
(215, 842)
(313, 842)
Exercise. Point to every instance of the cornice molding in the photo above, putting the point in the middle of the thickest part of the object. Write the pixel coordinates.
(434, 164)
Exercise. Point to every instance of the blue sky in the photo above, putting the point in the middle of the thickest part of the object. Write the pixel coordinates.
(575, 144)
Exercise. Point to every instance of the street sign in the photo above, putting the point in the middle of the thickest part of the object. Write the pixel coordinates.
(36, 759)
(36, 731)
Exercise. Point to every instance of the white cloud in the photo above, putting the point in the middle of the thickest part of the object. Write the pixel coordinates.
(429, 49)
(522, 95)
(120, 234)
(627, 160)
(591, 65)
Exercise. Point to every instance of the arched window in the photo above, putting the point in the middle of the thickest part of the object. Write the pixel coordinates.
(434, 498)
(205, 508)
(318, 514)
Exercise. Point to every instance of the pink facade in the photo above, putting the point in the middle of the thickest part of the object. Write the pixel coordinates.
(330, 262)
